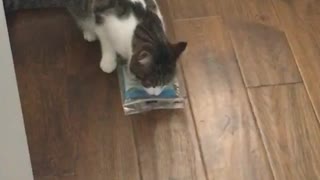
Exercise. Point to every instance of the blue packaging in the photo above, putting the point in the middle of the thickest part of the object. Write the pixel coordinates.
(136, 100)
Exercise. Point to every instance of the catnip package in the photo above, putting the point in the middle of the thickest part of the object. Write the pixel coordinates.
(136, 100)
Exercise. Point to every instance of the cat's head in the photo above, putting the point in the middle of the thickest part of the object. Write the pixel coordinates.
(155, 65)
(154, 58)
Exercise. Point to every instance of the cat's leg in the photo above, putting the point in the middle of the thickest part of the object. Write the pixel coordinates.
(86, 21)
(87, 24)
(89, 36)
(108, 62)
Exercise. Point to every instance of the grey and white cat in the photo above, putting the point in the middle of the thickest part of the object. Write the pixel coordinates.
(133, 29)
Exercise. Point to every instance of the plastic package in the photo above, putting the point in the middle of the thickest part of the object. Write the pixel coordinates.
(136, 100)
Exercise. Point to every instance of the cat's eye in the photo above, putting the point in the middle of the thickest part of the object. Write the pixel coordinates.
(143, 54)
(147, 83)
(139, 76)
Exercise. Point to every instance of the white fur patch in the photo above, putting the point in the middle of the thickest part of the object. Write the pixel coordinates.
(119, 33)
(154, 91)
(140, 1)
(89, 36)
(159, 14)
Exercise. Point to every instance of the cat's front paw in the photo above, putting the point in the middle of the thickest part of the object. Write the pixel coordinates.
(108, 63)
(89, 36)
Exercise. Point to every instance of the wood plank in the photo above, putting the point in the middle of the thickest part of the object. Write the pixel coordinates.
(306, 9)
(166, 140)
(290, 130)
(55, 177)
(228, 135)
(191, 9)
(41, 74)
(76, 124)
(167, 145)
(264, 54)
(249, 10)
(107, 146)
(304, 39)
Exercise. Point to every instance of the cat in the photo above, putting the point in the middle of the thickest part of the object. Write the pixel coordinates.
(132, 29)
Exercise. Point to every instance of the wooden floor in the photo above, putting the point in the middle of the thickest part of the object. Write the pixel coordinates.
(252, 71)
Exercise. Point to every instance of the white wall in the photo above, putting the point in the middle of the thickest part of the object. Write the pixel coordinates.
(14, 155)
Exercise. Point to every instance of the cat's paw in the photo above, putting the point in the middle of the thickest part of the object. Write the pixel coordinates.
(89, 36)
(108, 63)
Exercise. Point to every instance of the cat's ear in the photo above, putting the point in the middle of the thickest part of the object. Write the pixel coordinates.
(178, 48)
